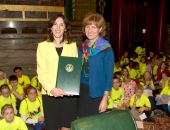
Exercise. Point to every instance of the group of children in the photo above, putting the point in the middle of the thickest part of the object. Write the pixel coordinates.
(20, 102)
(141, 84)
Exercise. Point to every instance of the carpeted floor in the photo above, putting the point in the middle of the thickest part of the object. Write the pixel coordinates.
(162, 123)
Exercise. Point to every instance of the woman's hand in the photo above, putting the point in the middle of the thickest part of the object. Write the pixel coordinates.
(57, 92)
(103, 105)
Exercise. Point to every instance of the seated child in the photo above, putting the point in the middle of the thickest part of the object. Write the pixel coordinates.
(3, 78)
(142, 66)
(147, 82)
(6, 97)
(136, 68)
(128, 86)
(23, 80)
(36, 84)
(16, 89)
(117, 67)
(133, 73)
(161, 101)
(118, 75)
(31, 109)
(165, 77)
(126, 56)
(139, 103)
(116, 95)
(123, 61)
(134, 57)
(10, 121)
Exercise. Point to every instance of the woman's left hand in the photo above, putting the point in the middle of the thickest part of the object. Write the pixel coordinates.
(103, 105)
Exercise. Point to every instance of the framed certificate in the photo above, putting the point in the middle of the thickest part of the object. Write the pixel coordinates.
(68, 76)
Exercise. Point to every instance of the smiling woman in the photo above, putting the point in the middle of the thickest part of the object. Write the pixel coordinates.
(98, 59)
(59, 108)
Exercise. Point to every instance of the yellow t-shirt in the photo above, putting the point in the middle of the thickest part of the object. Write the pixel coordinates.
(143, 84)
(10, 100)
(166, 82)
(142, 102)
(31, 109)
(19, 89)
(135, 60)
(122, 62)
(3, 82)
(138, 73)
(35, 83)
(133, 74)
(139, 50)
(17, 124)
(24, 80)
(117, 69)
(127, 67)
(154, 71)
(142, 68)
(116, 97)
(127, 60)
(166, 91)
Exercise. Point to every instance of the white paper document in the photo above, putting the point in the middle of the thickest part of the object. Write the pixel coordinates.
(142, 116)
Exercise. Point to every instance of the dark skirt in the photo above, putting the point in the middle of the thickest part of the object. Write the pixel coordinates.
(87, 106)
(59, 112)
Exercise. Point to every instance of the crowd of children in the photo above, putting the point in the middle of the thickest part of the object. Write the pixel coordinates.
(141, 84)
(20, 102)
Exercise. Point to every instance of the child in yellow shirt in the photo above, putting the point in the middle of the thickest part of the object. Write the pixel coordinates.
(6, 97)
(3, 78)
(123, 61)
(140, 103)
(10, 121)
(16, 90)
(160, 102)
(117, 67)
(31, 109)
(116, 95)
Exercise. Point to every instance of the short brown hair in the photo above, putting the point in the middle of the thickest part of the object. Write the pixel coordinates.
(139, 87)
(6, 106)
(3, 86)
(97, 19)
(28, 89)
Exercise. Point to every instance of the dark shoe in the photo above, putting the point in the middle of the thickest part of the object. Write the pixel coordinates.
(158, 112)
(150, 119)
(168, 114)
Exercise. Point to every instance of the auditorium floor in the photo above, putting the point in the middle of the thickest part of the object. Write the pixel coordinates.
(162, 123)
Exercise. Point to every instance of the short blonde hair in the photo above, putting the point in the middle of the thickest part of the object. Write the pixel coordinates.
(97, 19)
(6, 106)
